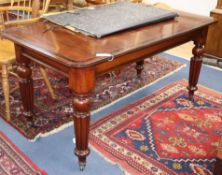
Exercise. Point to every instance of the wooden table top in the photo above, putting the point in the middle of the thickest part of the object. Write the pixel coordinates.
(78, 50)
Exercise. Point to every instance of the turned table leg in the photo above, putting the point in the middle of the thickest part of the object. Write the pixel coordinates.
(82, 82)
(195, 67)
(25, 84)
(5, 86)
(139, 68)
(81, 104)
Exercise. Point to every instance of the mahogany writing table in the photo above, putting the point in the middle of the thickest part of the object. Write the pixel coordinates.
(75, 55)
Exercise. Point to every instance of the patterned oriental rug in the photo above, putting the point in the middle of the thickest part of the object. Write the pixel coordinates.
(164, 133)
(13, 162)
(54, 115)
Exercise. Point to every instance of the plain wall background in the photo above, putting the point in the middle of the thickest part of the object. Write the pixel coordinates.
(201, 7)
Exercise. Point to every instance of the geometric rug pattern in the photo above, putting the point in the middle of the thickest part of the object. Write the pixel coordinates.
(52, 115)
(13, 161)
(163, 133)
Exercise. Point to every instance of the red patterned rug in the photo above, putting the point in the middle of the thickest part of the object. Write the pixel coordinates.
(13, 161)
(54, 114)
(163, 133)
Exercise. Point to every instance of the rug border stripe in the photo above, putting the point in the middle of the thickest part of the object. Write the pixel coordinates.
(210, 92)
(123, 164)
(23, 156)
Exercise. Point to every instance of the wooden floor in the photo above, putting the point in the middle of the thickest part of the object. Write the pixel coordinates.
(184, 51)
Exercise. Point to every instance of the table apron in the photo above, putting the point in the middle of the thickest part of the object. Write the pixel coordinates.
(45, 62)
(146, 52)
(119, 60)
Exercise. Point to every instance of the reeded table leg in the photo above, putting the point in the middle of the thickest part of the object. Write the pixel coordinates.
(195, 67)
(139, 68)
(81, 104)
(26, 84)
(82, 82)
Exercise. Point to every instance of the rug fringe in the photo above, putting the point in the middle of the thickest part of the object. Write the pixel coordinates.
(62, 127)
(109, 161)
